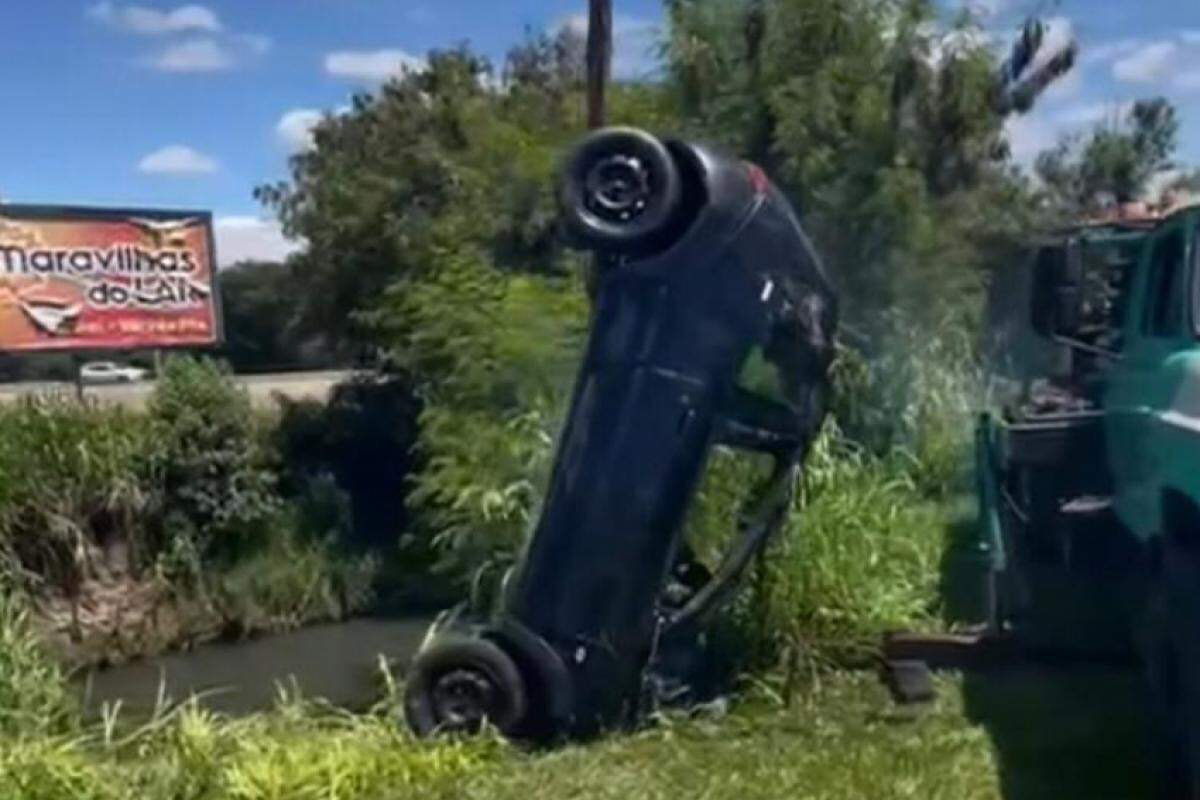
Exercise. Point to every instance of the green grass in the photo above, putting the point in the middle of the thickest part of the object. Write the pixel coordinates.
(1020, 735)
(841, 740)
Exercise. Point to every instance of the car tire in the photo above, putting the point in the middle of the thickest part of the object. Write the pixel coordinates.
(622, 193)
(459, 683)
(1171, 659)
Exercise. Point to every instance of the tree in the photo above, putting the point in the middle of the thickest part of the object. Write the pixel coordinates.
(885, 128)
(1115, 163)
(367, 195)
(549, 63)
(260, 303)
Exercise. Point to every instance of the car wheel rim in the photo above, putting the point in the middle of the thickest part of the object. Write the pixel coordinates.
(618, 188)
(463, 698)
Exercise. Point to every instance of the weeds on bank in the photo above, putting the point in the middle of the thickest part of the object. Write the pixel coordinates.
(839, 742)
(34, 697)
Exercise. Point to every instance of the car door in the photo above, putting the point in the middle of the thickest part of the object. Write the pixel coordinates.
(1142, 389)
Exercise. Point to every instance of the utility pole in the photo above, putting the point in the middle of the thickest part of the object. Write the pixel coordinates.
(599, 59)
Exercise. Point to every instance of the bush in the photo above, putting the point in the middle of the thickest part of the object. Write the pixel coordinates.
(292, 579)
(493, 357)
(72, 478)
(861, 552)
(363, 439)
(218, 488)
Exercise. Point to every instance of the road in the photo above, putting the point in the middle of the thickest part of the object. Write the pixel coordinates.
(294, 385)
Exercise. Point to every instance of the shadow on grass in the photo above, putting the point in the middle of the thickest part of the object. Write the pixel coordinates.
(1060, 731)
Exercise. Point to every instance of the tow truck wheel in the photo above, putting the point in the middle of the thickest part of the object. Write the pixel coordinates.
(622, 192)
(1170, 650)
(457, 683)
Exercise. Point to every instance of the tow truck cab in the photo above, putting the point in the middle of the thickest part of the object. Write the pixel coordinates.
(1089, 472)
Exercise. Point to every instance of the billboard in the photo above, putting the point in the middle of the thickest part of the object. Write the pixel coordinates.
(106, 279)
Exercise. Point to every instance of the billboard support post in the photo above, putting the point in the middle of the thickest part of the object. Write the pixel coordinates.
(77, 369)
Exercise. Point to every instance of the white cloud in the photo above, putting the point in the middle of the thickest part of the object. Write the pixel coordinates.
(194, 55)
(1150, 63)
(177, 159)
(1029, 135)
(1110, 51)
(576, 23)
(242, 238)
(986, 9)
(205, 46)
(1168, 61)
(209, 54)
(153, 22)
(1087, 114)
(634, 43)
(294, 128)
(371, 66)
(1032, 133)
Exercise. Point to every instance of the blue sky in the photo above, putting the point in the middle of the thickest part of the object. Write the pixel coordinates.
(1128, 50)
(191, 105)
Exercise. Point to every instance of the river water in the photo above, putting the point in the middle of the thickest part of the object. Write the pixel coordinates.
(337, 662)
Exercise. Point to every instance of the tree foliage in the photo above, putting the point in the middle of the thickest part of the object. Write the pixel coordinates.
(883, 127)
(261, 304)
(430, 214)
(1116, 162)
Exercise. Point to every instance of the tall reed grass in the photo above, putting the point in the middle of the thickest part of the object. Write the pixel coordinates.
(180, 502)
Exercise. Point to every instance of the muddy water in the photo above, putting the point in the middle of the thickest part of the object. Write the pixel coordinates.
(338, 662)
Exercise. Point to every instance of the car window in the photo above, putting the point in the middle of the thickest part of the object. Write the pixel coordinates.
(1168, 287)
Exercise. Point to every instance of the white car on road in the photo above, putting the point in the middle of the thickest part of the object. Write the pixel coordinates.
(110, 372)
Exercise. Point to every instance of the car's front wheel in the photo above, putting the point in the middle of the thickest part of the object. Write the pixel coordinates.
(458, 683)
(1171, 658)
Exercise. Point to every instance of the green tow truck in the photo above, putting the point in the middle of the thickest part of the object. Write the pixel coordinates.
(1089, 476)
